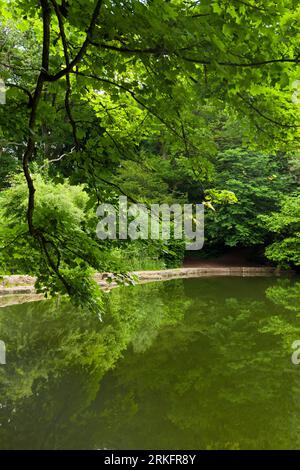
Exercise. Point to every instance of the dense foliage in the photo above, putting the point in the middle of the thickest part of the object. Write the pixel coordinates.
(286, 225)
(159, 100)
(259, 181)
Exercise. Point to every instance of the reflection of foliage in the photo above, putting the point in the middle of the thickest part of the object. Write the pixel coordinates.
(58, 355)
(286, 294)
(206, 366)
(214, 381)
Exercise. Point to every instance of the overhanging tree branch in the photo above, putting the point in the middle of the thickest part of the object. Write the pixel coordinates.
(43, 77)
(46, 13)
(238, 64)
(267, 118)
(159, 51)
(68, 82)
(133, 95)
(20, 87)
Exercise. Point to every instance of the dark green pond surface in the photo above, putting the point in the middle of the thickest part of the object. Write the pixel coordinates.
(193, 364)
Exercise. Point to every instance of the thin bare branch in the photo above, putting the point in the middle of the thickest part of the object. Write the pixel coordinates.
(56, 159)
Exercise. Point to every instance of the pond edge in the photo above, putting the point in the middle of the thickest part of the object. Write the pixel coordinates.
(24, 284)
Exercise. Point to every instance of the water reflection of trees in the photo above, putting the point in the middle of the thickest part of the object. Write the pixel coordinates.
(221, 378)
(57, 356)
(207, 365)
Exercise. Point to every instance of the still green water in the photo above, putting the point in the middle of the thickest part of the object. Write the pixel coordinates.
(193, 364)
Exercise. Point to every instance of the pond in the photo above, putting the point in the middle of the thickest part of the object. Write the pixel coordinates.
(186, 364)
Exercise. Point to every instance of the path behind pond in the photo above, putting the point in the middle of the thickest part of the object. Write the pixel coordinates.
(232, 257)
